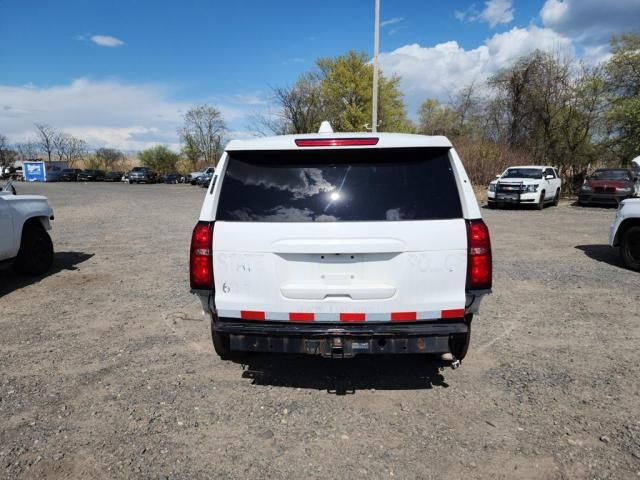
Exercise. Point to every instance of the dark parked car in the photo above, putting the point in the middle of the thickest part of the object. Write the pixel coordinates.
(204, 180)
(193, 177)
(607, 186)
(91, 175)
(113, 176)
(172, 177)
(142, 175)
(69, 174)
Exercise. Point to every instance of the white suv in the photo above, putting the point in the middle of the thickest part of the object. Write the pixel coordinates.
(625, 232)
(341, 244)
(531, 184)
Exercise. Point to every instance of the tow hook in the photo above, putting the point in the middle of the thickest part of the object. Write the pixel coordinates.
(337, 348)
(454, 362)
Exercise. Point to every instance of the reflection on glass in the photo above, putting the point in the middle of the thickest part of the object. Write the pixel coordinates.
(338, 185)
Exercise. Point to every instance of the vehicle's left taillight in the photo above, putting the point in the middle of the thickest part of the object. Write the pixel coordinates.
(201, 260)
(479, 263)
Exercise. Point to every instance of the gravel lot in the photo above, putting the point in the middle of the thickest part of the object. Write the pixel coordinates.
(107, 369)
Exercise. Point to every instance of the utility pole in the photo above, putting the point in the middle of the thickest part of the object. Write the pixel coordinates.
(376, 48)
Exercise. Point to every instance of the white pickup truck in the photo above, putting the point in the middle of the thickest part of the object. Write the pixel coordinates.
(625, 233)
(24, 241)
(341, 244)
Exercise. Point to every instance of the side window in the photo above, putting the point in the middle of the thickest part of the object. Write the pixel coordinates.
(549, 171)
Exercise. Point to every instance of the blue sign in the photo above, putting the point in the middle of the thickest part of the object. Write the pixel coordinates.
(34, 171)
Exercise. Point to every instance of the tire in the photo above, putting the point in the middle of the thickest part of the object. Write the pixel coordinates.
(221, 344)
(556, 198)
(491, 205)
(630, 248)
(36, 251)
(540, 204)
(459, 343)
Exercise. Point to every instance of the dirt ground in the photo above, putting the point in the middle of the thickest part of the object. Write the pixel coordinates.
(107, 369)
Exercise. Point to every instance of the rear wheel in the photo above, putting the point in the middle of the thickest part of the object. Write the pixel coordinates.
(630, 248)
(459, 342)
(36, 251)
(491, 205)
(540, 204)
(222, 345)
(556, 199)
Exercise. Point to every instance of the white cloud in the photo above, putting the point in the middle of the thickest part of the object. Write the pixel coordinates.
(441, 70)
(255, 98)
(391, 21)
(108, 112)
(106, 41)
(596, 54)
(495, 12)
(591, 21)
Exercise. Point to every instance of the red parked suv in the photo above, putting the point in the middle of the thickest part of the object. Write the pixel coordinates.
(607, 186)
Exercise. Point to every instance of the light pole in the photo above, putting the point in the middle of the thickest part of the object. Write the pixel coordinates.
(376, 48)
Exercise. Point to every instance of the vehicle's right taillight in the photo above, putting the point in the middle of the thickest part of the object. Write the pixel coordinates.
(201, 259)
(479, 269)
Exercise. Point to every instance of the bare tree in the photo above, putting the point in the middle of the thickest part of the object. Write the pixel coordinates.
(7, 155)
(46, 138)
(60, 144)
(191, 150)
(469, 108)
(265, 124)
(109, 157)
(28, 150)
(205, 131)
(75, 150)
(301, 106)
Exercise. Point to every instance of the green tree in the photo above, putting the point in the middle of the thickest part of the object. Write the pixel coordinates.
(339, 90)
(435, 119)
(159, 158)
(623, 87)
(346, 86)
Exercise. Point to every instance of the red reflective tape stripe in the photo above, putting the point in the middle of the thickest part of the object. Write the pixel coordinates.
(301, 317)
(404, 316)
(251, 315)
(352, 317)
(457, 313)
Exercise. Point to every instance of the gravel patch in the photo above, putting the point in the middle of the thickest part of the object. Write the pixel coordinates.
(108, 369)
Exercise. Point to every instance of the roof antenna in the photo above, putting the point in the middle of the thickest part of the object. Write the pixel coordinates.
(325, 127)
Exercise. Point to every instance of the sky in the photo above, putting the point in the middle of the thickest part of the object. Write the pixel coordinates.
(123, 73)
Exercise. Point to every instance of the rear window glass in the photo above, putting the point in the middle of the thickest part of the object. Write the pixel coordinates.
(611, 175)
(533, 173)
(339, 185)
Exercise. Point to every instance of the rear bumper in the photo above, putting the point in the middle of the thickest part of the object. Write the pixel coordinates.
(342, 340)
(603, 198)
